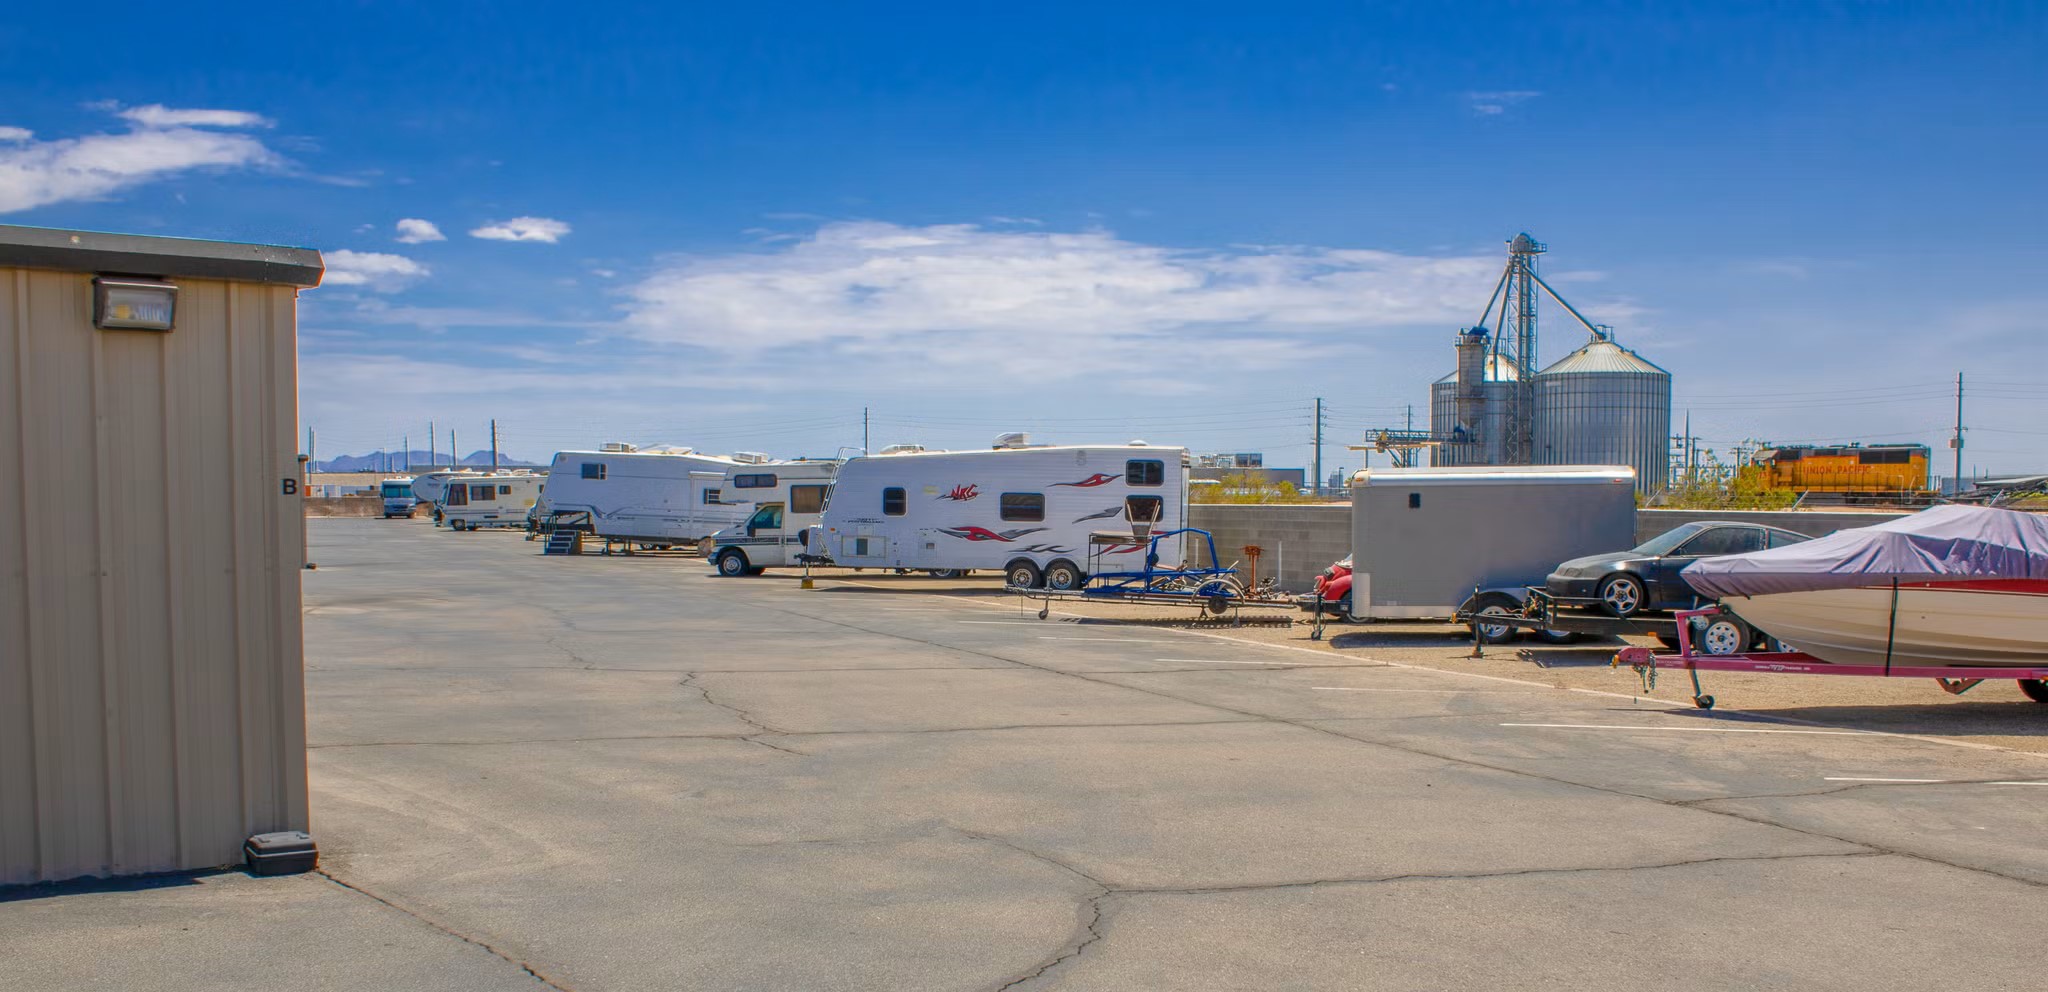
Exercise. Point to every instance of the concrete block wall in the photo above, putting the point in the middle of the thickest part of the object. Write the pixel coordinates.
(1300, 539)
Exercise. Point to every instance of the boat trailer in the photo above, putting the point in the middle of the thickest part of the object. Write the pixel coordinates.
(1214, 589)
(1954, 681)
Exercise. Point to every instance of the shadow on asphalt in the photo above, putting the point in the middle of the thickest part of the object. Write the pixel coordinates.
(84, 886)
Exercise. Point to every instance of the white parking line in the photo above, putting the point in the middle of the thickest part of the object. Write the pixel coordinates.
(2018, 783)
(1845, 778)
(1006, 623)
(1695, 730)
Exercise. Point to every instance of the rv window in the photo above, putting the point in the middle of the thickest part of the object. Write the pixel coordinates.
(504, 490)
(455, 496)
(483, 494)
(766, 518)
(710, 497)
(807, 499)
(1145, 472)
(1023, 506)
(893, 502)
(1143, 509)
(762, 481)
(593, 470)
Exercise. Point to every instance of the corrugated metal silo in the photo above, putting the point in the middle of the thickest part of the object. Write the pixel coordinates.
(1491, 429)
(1605, 405)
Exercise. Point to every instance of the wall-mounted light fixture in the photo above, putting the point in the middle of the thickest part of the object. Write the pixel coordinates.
(129, 303)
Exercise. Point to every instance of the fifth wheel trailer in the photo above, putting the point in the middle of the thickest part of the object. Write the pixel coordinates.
(152, 682)
(1027, 511)
(1424, 540)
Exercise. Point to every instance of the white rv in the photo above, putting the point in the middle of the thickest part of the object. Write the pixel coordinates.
(477, 501)
(673, 496)
(431, 487)
(788, 498)
(1028, 511)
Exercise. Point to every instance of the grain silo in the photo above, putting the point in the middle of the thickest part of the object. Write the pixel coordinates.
(1474, 405)
(1605, 405)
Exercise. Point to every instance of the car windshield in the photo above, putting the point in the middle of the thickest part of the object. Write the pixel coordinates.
(1663, 543)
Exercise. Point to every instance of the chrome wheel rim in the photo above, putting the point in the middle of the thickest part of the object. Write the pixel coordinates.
(1622, 596)
(1493, 631)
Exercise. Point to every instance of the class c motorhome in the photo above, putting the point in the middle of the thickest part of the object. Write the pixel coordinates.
(660, 498)
(477, 501)
(787, 499)
(1028, 511)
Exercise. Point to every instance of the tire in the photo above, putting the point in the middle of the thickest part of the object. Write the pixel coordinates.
(948, 573)
(1668, 639)
(1621, 595)
(1558, 636)
(1064, 576)
(1217, 605)
(2036, 689)
(1023, 574)
(1496, 605)
(732, 563)
(1723, 635)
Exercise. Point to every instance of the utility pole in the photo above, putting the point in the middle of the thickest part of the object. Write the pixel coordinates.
(863, 430)
(1319, 447)
(312, 451)
(408, 454)
(1957, 441)
(453, 458)
(432, 457)
(494, 445)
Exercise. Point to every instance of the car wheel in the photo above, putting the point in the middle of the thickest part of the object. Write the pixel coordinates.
(1063, 575)
(733, 563)
(1022, 574)
(2036, 689)
(1621, 595)
(1723, 635)
(1493, 604)
(1558, 636)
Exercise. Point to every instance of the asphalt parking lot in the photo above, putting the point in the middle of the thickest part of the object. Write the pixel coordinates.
(624, 773)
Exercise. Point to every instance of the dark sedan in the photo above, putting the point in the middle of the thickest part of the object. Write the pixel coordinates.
(1645, 578)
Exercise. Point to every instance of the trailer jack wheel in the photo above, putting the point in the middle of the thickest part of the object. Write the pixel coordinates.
(1045, 611)
(1703, 702)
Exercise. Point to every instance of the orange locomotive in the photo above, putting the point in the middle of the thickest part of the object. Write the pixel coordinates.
(1854, 469)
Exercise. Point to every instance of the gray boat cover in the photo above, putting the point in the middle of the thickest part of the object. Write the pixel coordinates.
(1946, 542)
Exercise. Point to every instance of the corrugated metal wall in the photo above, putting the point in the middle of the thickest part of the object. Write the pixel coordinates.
(152, 699)
(1606, 418)
(1493, 430)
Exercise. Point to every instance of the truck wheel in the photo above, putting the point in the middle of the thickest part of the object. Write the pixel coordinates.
(2036, 689)
(1723, 635)
(1493, 604)
(948, 573)
(732, 563)
(1063, 575)
(1621, 595)
(1022, 574)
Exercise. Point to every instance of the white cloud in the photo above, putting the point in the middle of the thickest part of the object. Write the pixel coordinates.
(1041, 301)
(523, 229)
(374, 271)
(162, 143)
(412, 231)
(1498, 101)
(157, 115)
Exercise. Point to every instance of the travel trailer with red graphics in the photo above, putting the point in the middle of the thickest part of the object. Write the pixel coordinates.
(1027, 511)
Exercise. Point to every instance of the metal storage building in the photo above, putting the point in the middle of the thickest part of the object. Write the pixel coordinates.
(1606, 405)
(152, 702)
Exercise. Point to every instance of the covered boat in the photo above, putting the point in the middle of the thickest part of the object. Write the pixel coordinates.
(1950, 587)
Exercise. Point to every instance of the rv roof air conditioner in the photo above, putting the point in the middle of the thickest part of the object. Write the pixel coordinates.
(619, 447)
(901, 449)
(750, 457)
(1014, 439)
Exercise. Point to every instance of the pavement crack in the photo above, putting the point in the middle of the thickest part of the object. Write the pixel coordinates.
(487, 946)
(774, 747)
(1468, 876)
(1088, 915)
(690, 680)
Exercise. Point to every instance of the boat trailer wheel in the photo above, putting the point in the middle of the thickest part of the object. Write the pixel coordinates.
(1703, 702)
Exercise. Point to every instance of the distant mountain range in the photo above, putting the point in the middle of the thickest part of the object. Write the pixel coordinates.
(396, 461)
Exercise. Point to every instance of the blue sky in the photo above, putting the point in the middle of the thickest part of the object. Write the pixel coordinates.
(735, 228)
